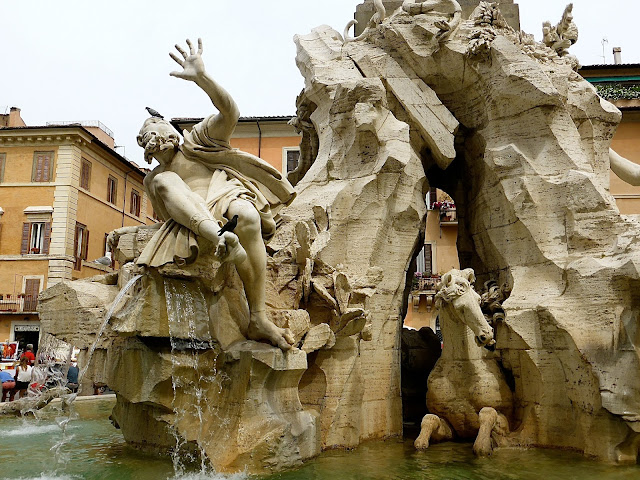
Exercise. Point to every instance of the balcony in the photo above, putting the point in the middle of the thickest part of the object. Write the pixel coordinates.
(424, 286)
(424, 283)
(18, 303)
(448, 216)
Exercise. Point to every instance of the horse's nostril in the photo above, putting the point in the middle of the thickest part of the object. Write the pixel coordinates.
(483, 338)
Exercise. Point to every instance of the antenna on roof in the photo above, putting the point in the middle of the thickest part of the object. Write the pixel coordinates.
(604, 41)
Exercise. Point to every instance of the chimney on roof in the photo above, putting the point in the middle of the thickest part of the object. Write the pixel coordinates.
(15, 120)
(617, 55)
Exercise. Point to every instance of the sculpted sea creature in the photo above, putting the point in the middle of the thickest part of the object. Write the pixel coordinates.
(459, 301)
(378, 17)
(451, 413)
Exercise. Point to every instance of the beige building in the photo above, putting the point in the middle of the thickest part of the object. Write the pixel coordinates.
(63, 187)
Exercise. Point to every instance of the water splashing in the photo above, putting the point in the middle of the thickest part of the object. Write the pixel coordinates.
(105, 322)
(59, 377)
(194, 371)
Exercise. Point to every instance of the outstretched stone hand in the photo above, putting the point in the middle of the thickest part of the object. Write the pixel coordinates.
(192, 64)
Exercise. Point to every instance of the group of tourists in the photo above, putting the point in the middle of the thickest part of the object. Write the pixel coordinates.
(19, 382)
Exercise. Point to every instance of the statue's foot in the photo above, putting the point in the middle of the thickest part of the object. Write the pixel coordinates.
(483, 446)
(432, 428)
(229, 249)
(261, 328)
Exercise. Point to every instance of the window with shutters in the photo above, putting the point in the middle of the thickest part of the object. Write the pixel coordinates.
(42, 167)
(31, 291)
(135, 203)
(432, 197)
(112, 189)
(85, 174)
(81, 245)
(291, 157)
(36, 237)
(3, 160)
(428, 259)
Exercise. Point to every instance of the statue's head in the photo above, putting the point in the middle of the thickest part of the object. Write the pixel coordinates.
(157, 135)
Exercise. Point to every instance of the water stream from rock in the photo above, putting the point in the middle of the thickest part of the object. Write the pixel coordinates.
(58, 377)
(105, 322)
(194, 373)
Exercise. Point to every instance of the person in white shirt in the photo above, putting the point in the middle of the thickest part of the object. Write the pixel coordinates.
(23, 376)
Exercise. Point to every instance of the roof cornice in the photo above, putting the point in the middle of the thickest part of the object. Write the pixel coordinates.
(61, 134)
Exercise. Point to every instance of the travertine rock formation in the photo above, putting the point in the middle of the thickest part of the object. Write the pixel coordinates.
(186, 377)
(521, 142)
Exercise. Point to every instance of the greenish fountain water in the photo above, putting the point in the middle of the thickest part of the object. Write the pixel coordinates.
(96, 450)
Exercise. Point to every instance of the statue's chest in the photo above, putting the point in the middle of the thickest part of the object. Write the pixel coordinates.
(194, 174)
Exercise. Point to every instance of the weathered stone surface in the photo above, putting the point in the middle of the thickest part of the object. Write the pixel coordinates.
(295, 320)
(76, 310)
(318, 337)
(530, 183)
(161, 389)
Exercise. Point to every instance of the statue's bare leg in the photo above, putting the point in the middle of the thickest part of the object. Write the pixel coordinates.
(432, 428)
(253, 272)
(494, 427)
(188, 208)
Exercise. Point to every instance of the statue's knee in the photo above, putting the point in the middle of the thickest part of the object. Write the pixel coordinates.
(249, 220)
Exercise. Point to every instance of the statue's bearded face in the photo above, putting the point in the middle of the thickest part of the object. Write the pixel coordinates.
(157, 136)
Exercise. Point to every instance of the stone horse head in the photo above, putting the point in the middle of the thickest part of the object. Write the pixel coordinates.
(457, 298)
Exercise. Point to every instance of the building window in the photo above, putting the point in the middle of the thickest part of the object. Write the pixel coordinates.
(112, 189)
(3, 160)
(425, 260)
(31, 291)
(291, 157)
(135, 203)
(85, 174)
(36, 237)
(42, 166)
(432, 197)
(81, 245)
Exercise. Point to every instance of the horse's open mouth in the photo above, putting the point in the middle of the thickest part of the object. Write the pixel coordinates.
(488, 343)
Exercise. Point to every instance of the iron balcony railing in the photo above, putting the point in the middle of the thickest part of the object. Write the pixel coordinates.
(18, 302)
(425, 283)
(448, 215)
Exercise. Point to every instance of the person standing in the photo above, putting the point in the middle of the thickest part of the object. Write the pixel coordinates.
(29, 354)
(23, 376)
(8, 385)
(72, 377)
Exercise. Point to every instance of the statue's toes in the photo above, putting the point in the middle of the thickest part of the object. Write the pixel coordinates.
(288, 336)
(282, 343)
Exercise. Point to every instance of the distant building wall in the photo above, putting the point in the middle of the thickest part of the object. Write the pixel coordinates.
(45, 196)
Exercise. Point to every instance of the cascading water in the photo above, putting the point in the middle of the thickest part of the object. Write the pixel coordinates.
(105, 322)
(53, 375)
(190, 337)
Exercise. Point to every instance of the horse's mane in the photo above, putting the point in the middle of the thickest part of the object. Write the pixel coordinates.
(454, 284)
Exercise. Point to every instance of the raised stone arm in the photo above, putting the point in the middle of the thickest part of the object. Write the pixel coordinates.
(220, 126)
(627, 170)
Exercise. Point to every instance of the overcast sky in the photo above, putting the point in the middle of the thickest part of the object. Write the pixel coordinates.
(88, 60)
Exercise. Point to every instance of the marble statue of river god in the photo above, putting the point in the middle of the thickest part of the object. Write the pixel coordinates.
(201, 185)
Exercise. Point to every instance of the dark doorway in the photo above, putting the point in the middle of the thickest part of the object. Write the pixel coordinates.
(26, 337)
